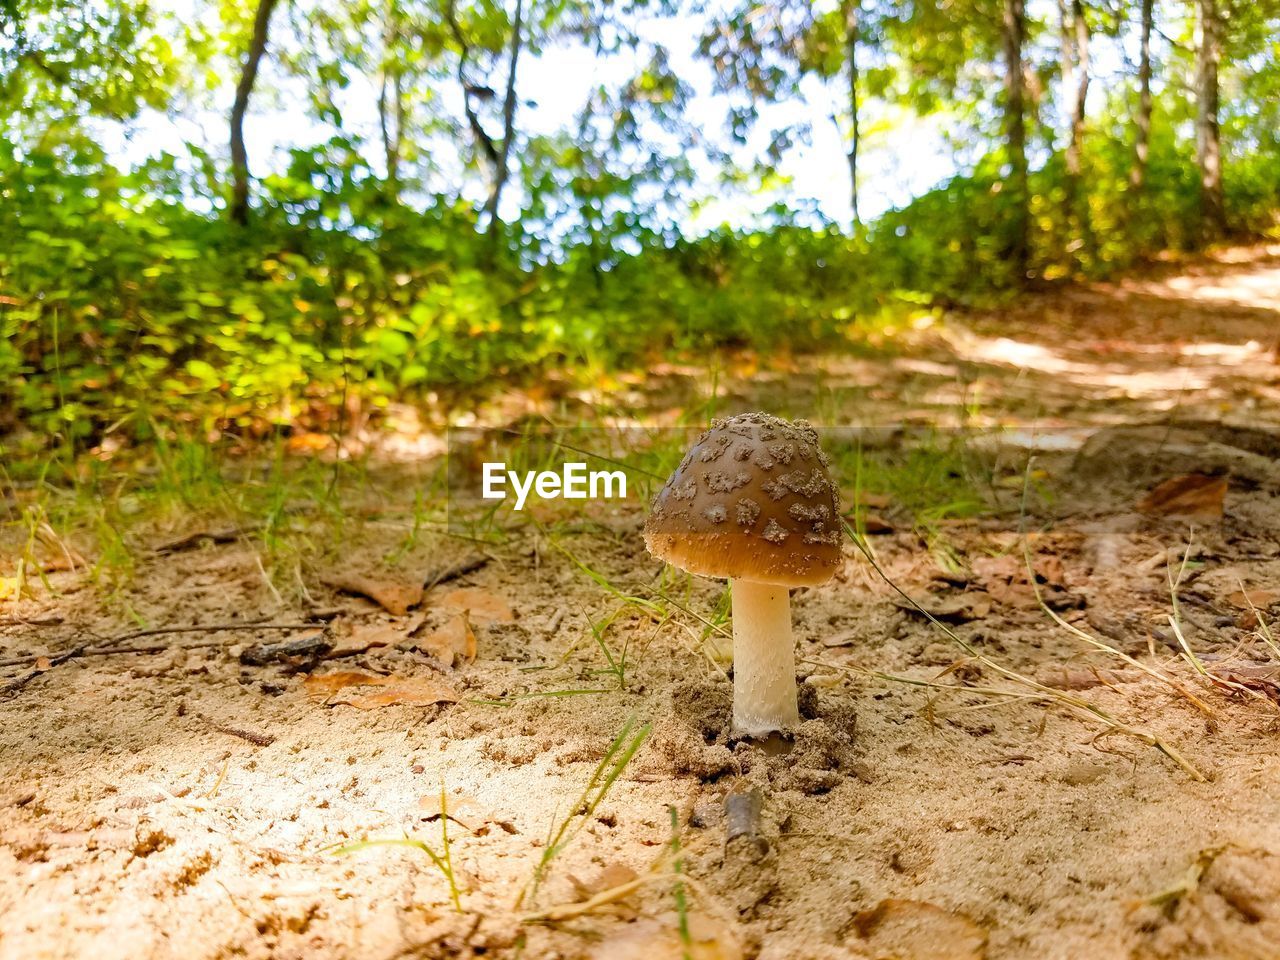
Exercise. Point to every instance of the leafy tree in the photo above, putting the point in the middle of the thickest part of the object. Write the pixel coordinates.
(61, 63)
(763, 54)
(257, 48)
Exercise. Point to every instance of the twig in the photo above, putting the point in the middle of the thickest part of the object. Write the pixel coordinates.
(120, 644)
(259, 739)
(13, 686)
(456, 570)
(742, 825)
(226, 535)
(19, 622)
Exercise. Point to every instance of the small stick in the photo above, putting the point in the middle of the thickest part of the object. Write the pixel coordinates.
(19, 622)
(213, 536)
(120, 644)
(259, 739)
(742, 824)
(456, 570)
(554, 623)
(13, 686)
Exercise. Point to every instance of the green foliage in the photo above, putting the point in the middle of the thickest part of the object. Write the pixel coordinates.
(122, 308)
(374, 269)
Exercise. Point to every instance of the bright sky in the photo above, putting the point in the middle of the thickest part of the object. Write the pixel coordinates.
(895, 166)
(898, 161)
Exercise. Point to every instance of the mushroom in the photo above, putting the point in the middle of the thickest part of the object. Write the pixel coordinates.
(753, 501)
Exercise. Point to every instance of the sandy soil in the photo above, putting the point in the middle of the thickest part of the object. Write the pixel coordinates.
(186, 802)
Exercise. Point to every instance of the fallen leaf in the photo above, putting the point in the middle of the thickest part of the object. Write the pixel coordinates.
(956, 608)
(846, 639)
(394, 596)
(225, 535)
(466, 811)
(654, 939)
(327, 684)
(1190, 495)
(612, 875)
(308, 442)
(483, 606)
(1260, 677)
(1253, 598)
(1049, 570)
(365, 637)
(453, 642)
(874, 524)
(63, 561)
(915, 930)
(1004, 578)
(1082, 678)
(413, 692)
(309, 647)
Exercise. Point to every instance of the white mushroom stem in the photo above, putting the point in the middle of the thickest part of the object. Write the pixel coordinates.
(764, 661)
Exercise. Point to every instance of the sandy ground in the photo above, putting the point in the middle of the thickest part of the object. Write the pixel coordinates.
(187, 802)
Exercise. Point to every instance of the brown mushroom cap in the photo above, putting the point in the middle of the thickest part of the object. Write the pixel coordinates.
(752, 500)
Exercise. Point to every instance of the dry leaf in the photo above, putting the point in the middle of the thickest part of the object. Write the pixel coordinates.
(956, 608)
(1082, 678)
(466, 811)
(846, 639)
(63, 561)
(915, 930)
(653, 939)
(308, 443)
(365, 637)
(1004, 578)
(394, 596)
(1253, 598)
(1190, 495)
(483, 606)
(611, 876)
(327, 684)
(453, 642)
(1049, 570)
(412, 692)
(874, 525)
(1253, 676)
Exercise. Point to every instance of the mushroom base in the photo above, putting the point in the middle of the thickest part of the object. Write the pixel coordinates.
(764, 662)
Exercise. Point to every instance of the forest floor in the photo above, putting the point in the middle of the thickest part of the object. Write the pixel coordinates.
(1083, 763)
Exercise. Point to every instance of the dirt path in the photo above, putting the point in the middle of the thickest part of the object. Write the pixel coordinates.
(186, 803)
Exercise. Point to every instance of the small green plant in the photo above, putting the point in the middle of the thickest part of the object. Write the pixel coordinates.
(617, 662)
(677, 886)
(620, 753)
(443, 861)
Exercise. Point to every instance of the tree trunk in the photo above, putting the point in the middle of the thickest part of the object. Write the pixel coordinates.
(391, 107)
(502, 169)
(1075, 82)
(1208, 144)
(1080, 95)
(1014, 35)
(239, 209)
(1142, 122)
(852, 10)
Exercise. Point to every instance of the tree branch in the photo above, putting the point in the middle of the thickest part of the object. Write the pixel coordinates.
(484, 142)
(508, 117)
